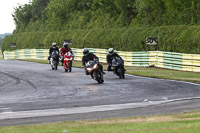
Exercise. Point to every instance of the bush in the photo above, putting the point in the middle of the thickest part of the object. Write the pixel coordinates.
(184, 39)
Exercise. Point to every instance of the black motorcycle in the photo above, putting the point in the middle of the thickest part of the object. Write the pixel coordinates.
(118, 67)
(54, 60)
(93, 68)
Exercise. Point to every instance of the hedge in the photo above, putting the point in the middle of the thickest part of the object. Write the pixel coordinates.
(183, 39)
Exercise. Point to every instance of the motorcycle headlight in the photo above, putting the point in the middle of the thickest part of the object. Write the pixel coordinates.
(95, 66)
(89, 69)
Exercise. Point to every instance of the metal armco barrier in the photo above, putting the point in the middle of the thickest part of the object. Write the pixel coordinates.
(169, 60)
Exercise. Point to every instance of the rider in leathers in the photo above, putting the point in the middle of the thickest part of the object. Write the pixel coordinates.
(110, 57)
(51, 49)
(64, 50)
(87, 56)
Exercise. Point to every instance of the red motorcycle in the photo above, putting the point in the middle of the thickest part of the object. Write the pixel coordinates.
(68, 58)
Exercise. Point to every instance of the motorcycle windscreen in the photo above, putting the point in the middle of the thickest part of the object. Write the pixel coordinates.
(90, 64)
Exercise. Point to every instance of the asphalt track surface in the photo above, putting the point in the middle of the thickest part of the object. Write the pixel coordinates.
(32, 93)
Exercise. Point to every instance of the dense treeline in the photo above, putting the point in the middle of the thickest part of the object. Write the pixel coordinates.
(122, 24)
(183, 39)
(2, 36)
(59, 15)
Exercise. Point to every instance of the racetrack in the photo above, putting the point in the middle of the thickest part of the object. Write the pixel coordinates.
(35, 91)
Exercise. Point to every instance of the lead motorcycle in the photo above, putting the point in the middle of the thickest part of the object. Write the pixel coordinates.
(54, 60)
(94, 70)
(118, 67)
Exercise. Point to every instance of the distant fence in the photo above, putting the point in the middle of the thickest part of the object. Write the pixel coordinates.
(170, 60)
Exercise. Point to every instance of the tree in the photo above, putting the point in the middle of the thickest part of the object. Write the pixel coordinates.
(22, 14)
(38, 9)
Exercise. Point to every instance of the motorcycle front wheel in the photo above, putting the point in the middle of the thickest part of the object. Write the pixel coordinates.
(55, 64)
(70, 66)
(98, 76)
(120, 72)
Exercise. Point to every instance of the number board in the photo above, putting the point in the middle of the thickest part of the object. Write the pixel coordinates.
(151, 41)
(69, 41)
(13, 45)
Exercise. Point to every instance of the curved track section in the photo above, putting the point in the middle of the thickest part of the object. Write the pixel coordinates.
(27, 86)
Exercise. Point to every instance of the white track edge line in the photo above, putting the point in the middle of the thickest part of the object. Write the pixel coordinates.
(81, 110)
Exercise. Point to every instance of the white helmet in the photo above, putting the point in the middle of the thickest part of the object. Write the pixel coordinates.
(65, 43)
(111, 51)
(54, 44)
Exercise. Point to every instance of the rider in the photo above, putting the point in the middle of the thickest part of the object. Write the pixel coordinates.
(110, 57)
(64, 50)
(87, 56)
(51, 49)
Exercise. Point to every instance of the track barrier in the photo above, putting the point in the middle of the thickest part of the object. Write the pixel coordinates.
(169, 60)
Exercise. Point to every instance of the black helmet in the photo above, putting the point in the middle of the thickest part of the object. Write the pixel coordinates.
(85, 51)
(111, 51)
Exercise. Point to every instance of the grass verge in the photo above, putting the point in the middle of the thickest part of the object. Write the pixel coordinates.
(1, 56)
(176, 123)
(151, 72)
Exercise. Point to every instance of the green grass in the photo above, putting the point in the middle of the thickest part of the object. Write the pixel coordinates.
(176, 123)
(1, 56)
(164, 74)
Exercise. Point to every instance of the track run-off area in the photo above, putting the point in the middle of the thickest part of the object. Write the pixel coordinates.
(33, 93)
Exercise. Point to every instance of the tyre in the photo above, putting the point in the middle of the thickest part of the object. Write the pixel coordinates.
(99, 77)
(65, 67)
(120, 71)
(123, 73)
(70, 66)
(55, 64)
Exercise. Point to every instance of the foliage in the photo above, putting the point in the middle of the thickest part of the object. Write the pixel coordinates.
(60, 15)
(1, 38)
(122, 24)
(25, 15)
(168, 12)
(184, 39)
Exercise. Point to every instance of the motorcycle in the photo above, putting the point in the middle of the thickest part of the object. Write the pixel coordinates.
(54, 60)
(94, 70)
(68, 57)
(118, 67)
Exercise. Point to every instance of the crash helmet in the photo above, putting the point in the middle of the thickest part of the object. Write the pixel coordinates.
(54, 44)
(111, 51)
(85, 51)
(65, 44)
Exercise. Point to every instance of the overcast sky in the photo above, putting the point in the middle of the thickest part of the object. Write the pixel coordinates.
(7, 24)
